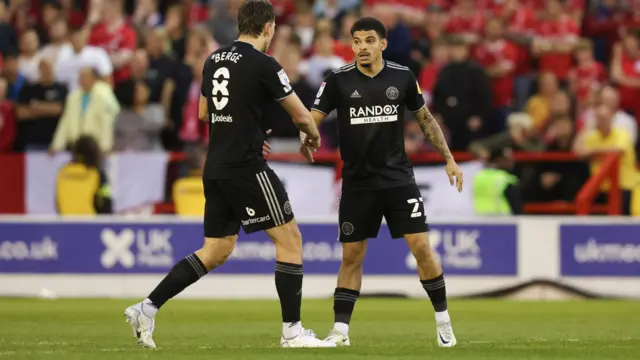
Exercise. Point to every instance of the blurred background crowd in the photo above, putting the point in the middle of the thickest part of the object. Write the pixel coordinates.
(529, 75)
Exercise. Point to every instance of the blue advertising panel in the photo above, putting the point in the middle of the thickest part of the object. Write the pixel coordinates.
(140, 248)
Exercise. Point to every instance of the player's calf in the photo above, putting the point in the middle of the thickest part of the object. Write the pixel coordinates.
(347, 291)
(432, 280)
(185, 272)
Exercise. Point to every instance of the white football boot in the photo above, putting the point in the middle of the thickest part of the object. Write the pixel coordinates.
(338, 338)
(306, 339)
(141, 324)
(446, 338)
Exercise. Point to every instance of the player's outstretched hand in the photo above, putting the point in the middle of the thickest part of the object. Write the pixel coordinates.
(266, 147)
(455, 174)
(308, 146)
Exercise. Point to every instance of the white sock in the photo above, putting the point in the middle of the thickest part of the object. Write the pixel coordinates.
(442, 316)
(342, 328)
(291, 330)
(150, 310)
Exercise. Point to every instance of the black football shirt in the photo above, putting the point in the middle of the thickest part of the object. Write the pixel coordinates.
(239, 81)
(371, 123)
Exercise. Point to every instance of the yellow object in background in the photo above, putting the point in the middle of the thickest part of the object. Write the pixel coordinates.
(76, 189)
(188, 196)
(635, 202)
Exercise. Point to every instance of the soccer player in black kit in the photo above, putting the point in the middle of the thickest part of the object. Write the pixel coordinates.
(370, 97)
(240, 189)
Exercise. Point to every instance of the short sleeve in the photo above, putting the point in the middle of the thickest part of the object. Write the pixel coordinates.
(103, 62)
(326, 101)
(275, 80)
(413, 99)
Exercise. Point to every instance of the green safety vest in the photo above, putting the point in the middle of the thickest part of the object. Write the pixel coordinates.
(488, 191)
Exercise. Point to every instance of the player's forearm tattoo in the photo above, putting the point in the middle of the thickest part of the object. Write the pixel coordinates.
(431, 129)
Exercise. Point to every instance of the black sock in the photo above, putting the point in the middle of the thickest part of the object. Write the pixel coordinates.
(184, 273)
(437, 292)
(343, 302)
(289, 287)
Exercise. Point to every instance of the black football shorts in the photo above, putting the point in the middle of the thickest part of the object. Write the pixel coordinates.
(256, 201)
(361, 212)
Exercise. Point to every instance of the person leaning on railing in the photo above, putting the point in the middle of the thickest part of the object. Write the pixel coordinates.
(605, 138)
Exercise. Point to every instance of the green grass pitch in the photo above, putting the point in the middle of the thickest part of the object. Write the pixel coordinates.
(381, 329)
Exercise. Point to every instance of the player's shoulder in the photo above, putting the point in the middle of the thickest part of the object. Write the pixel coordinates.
(396, 67)
(344, 70)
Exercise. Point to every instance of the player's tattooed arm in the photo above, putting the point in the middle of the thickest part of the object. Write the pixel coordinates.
(431, 129)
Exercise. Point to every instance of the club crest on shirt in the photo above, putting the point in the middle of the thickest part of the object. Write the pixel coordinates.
(392, 93)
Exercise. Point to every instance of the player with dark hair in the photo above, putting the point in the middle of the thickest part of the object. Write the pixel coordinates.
(240, 188)
(370, 97)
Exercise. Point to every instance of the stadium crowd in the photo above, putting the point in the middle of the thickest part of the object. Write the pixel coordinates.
(531, 75)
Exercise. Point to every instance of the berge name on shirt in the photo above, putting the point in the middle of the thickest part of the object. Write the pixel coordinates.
(373, 114)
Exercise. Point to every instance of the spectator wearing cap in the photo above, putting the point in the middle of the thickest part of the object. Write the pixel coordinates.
(462, 96)
(498, 57)
(77, 55)
(8, 36)
(29, 59)
(11, 72)
(39, 108)
(496, 192)
(116, 37)
(89, 110)
(556, 36)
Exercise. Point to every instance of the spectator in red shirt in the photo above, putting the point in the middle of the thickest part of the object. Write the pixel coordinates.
(117, 37)
(556, 37)
(519, 29)
(498, 57)
(7, 120)
(466, 21)
(431, 69)
(625, 72)
(587, 75)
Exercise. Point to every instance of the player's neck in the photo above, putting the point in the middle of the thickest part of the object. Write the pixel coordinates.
(373, 69)
(255, 42)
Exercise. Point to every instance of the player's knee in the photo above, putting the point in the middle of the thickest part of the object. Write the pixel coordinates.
(353, 254)
(419, 245)
(287, 237)
(216, 251)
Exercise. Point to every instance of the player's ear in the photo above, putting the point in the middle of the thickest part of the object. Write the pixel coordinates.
(383, 42)
(270, 29)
